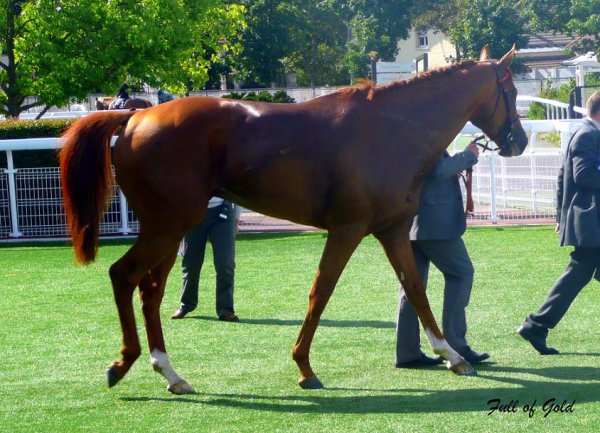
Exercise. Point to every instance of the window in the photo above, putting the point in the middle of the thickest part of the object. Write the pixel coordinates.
(422, 40)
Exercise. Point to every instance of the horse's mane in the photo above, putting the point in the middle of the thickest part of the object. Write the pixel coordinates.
(371, 89)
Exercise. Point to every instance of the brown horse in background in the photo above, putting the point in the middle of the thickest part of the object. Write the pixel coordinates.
(351, 163)
(107, 103)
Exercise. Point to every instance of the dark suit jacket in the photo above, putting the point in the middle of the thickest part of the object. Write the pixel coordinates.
(441, 214)
(578, 193)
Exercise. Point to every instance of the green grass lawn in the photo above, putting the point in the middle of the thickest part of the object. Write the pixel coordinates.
(59, 331)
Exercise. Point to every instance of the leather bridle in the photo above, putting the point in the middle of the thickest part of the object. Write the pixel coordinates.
(483, 142)
(509, 121)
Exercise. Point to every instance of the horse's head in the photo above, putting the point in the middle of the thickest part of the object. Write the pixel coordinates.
(498, 117)
(100, 105)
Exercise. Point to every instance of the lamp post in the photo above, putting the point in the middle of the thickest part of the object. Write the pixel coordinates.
(374, 56)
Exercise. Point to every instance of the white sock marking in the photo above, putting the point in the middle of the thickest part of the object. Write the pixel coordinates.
(161, 364)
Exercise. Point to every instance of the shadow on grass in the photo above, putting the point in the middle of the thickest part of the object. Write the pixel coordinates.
(566, 383)
(323, 322)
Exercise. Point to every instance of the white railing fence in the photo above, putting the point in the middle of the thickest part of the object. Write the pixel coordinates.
(517, 188)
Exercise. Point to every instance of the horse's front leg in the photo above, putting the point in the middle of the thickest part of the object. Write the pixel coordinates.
(340, 245)
(152, 288)
(396, 243)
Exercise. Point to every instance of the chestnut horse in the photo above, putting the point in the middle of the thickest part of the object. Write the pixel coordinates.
(351, 162)
(106, 103)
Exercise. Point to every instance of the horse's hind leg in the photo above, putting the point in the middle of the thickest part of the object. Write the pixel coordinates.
(148, 251)
(397, 247)
(339, 247)
(152, 289)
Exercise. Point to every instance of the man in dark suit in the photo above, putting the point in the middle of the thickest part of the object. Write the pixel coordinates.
(578, 215)
(436, 237)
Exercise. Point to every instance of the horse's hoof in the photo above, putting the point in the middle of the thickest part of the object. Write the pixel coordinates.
(462, 368)
(112, 376)
(310, 383)
(181, 387)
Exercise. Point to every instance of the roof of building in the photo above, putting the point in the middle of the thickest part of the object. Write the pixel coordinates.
(547, 50)
(548, 40)
(545, 62)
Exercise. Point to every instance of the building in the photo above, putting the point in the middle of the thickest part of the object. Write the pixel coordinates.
(541, 60)
(422, 50)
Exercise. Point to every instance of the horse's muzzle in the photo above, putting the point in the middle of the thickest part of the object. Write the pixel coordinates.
(516, 143)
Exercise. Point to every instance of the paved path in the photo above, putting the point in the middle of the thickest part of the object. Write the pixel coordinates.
(251, 222)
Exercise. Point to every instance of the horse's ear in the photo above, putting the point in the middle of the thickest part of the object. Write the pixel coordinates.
(507, 59)
(485, 53)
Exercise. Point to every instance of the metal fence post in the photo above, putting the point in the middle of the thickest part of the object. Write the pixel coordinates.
(533, 168)
(124, 213)
(493, 212)
(12, 195)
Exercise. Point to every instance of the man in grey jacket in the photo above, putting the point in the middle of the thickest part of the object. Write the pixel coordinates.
(436, 237)
(578, 215)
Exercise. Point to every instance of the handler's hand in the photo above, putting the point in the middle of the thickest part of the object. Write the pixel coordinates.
(557, 228)
(473, 148)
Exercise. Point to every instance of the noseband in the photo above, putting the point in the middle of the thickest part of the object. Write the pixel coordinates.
(509, 121)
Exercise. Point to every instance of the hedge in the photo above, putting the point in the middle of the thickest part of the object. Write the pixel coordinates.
(16, 129)
(263, 96)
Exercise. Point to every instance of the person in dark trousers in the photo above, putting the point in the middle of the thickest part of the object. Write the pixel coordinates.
(219, 226)
(578, 215)
(436, 237)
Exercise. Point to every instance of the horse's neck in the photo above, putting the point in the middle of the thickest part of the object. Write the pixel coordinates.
(438, 107)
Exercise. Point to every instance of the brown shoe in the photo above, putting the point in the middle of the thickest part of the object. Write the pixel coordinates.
(179, 314)
(229, 317)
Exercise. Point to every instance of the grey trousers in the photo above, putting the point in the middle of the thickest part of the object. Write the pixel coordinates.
(221, 234)
(452, 259)
(583, 263)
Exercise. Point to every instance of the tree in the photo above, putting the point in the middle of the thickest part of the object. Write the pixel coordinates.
(324, 42)
(471, 24)
(318, 38)
(579, 17)
(387, 22)
(373, 29)
(585, 21)
(266, 41)
(549, 15)
(56, 51)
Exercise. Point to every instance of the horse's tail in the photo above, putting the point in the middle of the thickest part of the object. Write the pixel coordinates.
(86, 176)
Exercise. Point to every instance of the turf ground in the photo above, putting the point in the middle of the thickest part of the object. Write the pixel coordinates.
(59, 331)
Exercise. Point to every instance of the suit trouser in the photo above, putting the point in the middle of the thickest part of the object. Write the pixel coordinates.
(221, 233)
(583, 263)
(452, 259)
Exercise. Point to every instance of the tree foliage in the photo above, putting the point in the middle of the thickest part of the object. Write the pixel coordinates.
(579, 17)
(324, 42)
(471, 24)
(266, 42)
(500, 23)
(59, 50)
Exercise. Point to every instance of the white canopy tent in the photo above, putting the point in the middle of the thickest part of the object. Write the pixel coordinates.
(583, 64)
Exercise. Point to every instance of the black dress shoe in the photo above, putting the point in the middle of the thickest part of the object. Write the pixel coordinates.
(473, 357)
(537, 341)
(422, 361)
(179, 314)
(229, 317)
